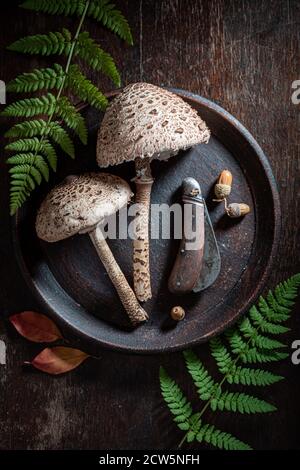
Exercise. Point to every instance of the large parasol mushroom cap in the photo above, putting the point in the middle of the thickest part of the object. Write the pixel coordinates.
(147, 121)
(79, 204)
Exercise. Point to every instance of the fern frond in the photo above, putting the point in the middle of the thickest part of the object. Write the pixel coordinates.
(177, 403)
(59, 7)
(223, 358)
(258, 340)
(203, 381)
(72, 118)
(256, 377)
(44, 44)
(99, 10)
(47, 78)
(264, 325)
(61, 137)
(191, 422)
(39, 127)
(209, 390)
(24, 162)
(249, 354)
(31, 106)
(241, 402)
(84, 89)
(27, 129)
(113, 19)
(48, 105)
(223, 440)
(277, 313)
(236, 374)
(35, 145)
(97, 58)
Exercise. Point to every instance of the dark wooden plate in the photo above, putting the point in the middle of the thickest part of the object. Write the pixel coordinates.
(74, 289)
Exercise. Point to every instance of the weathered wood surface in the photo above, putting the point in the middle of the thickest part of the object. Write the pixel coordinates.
(245, 56)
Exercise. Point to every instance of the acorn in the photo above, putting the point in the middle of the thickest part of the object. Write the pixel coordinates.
(223, 186)
(236, 210)
(177, 313)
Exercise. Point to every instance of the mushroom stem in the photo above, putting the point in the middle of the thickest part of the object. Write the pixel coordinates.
(141, 263)
(135, 312)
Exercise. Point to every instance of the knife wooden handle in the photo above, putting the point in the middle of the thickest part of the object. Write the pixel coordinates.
(188, 263)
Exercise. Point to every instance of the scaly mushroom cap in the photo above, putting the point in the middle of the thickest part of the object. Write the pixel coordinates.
(147, 121)
(80, 203)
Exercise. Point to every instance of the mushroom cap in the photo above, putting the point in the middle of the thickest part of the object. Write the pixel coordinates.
(147, 121)
(79, 204)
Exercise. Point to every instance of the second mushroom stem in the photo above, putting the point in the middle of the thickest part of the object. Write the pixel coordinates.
(141, 263)
(135, 312)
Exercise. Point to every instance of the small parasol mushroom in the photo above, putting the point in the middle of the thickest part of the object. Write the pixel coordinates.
(82, 204)
(145, 122)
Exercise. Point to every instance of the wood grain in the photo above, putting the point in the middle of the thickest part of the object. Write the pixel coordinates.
(244, 55)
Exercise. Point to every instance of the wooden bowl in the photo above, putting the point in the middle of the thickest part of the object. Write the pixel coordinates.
(70, 281)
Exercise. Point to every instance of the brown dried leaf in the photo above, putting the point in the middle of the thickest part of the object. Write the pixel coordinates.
(36, 327)
(58, 360)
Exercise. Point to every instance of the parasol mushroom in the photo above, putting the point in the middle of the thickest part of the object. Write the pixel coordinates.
(82, 204)
(145, 122)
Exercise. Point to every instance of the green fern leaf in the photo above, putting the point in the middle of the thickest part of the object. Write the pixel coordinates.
(39, 127)
(35, 145)
(48, 105)
(223, 440)
(208, 390)
(251, 355)
(30, 107)
(60, 136)
(84, 89)
(27, 129)
(258, 340)
(59, 7)
(203, 381)
(97, 58)
(222, 356)
(28, 160)
(264, 325)
(113, 19)
(241, 402)
(236, 374)
(277, 313)
(44, 44)
(256, 377)
(100, 10)
(27, 170)
(177, 403)
(38, 79)
(72, 118)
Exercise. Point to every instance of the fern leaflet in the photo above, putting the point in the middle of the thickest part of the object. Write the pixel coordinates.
(44, 44)
(97, 59)
(35, 145)
(237, 374)
(39, 79)
(84, 89)
(39, 127)
(209, 390)
(191, 422)
(100, 10)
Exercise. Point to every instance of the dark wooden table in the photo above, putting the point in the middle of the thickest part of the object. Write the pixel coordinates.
(244, 55)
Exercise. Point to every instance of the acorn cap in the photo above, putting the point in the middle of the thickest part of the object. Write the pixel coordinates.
(79, 204)
(147, 121)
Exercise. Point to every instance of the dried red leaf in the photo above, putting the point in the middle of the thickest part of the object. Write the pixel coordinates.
(58, 360)
(36, 327)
